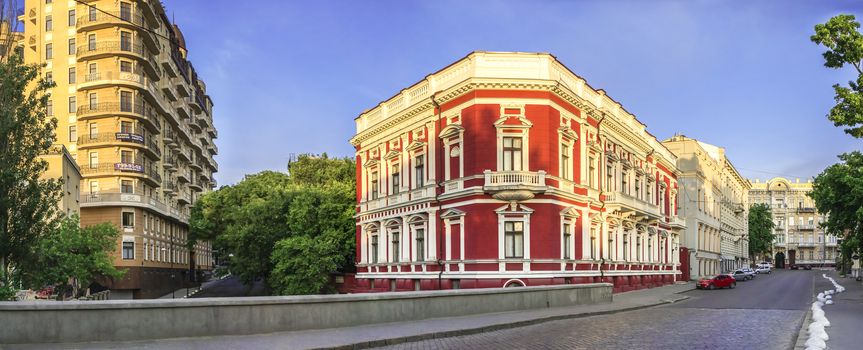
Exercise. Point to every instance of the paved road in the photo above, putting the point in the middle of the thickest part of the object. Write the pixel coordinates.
(231, 287)
(764, 313)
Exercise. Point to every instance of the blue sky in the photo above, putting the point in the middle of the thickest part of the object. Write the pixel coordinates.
(291, 76)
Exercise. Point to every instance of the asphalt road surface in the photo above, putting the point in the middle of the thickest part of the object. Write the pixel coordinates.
(763, 313)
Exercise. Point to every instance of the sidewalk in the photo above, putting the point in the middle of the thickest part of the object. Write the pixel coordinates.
(846, 313)
(393, 333)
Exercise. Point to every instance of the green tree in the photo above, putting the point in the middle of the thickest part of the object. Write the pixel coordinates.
(840, 35)
(268, 217)
(760, 230)
(302, 265)
(28, 204)
(838, 195)
(73, 256)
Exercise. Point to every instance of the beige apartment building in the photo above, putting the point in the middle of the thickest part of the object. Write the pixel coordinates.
(136, 118)
(799, 239)
(714, 204)
(62, 166)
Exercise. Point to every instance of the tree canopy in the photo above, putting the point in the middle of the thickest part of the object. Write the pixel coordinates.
(292, 230)
(838, 194)
(760, 230)
(71, 256)
(844, 43)
(28, 204)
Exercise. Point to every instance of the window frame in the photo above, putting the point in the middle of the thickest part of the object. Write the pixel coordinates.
(512, 237)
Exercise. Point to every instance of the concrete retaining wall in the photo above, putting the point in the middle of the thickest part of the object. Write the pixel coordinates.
(120, 320)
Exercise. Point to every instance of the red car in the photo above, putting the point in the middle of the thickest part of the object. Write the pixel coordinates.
(720, 281)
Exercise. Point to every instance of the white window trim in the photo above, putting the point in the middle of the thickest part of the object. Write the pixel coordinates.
(569, 216)
(508, 213)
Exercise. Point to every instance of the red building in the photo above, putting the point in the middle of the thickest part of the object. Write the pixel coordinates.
(507, 169)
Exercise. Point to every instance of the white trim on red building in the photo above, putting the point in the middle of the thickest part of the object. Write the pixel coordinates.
(508, 168)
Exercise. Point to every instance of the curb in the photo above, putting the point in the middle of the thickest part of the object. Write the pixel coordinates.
(800, 342)
(490, 328)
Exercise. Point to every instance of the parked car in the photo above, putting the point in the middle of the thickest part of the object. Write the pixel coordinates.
(719, 281)
(749, 272)
(740, 275)
(807, 267)
(764, 264)
(763, 269)
(794, 267)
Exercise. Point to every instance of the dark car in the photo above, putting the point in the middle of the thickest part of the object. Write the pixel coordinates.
(720, 281)
(807, 267)
(794, 267)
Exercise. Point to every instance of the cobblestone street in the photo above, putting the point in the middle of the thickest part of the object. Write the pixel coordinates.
(748, 317)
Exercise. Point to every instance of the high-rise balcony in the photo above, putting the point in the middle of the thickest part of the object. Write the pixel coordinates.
(139, 111)
(110, 48)
(135, 80)
(514, 185)
(136, 199)
(134, 138)
(133, 168)
(627, 203)
(128, 19)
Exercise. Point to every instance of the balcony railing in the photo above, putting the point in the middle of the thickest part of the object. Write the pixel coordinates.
(110, 17)
(111, 198)
(629, 203)
(111, 46)
(139, 109)
(805, 227)
(134, 77)
(135, 137)
(514, 180)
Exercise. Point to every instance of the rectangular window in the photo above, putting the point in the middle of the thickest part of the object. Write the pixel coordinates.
(49, 51)
(512, 149)
(374, 249)
(420, 238)
(374, 186)
(73, 133)
(564, 162)
(567, 241)
(609, 178)
(126, 66)
(126, 11)
(593, 243)
(125, 41)
(128, 250)
(72, 77)
(396, 179)
(92, 13)
(49, 77)
(126, 127)
(72, 107)
(49, 108)
(126, 156)
(72, 20)
(94, 187)
(125, 101)
(513, 234)
(93, 100)
(128, 219)
(72, 46)
(396, 246)
(126, 186)
(49, 23)
(591, 172)
(91, 41)
(94, 130)
(419, 171)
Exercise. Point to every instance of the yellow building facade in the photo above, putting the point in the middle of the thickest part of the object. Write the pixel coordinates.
(61, 166)
(136, 118)
(799, 239)
(714, 202)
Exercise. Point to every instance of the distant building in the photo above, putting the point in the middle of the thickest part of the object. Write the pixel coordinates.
(137, 119)
(507, 169)
(714, 203)
(62, 166)
(799, 238)
(9, 40)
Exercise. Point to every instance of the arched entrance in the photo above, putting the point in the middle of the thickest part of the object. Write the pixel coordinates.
(779, 263)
